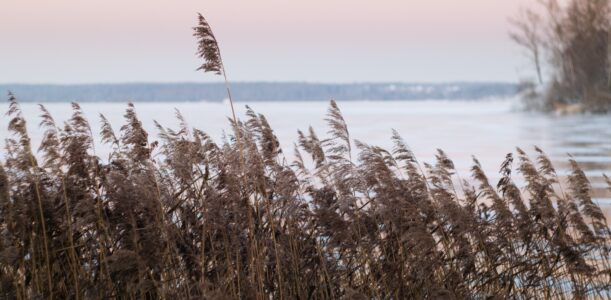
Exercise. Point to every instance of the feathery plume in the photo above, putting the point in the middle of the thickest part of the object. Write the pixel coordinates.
(208, 48)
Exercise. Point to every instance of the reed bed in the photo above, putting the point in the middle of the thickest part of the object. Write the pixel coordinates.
(184, 217)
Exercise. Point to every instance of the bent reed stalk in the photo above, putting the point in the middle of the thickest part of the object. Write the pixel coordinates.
(209, 51)
(179, 217)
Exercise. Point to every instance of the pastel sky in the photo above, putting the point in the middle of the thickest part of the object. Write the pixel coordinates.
(97, 41)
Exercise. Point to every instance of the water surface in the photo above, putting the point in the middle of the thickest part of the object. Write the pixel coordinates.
(487, 130)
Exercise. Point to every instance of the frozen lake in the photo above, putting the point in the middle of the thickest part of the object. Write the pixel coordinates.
(487, 130)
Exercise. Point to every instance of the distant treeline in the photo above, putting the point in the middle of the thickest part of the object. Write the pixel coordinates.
(257, 91)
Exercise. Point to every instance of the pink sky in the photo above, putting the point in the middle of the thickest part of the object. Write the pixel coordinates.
(76, 41)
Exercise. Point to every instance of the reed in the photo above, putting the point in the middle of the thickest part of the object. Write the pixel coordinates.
(180, 217)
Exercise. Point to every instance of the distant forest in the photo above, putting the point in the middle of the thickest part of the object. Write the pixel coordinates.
(257, 91)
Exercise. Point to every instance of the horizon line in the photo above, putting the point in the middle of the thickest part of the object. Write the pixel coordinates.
(260, 82)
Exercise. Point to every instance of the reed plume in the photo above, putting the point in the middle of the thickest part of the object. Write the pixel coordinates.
(208, 48)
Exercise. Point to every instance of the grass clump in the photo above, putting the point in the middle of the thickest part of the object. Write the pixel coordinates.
(187, 217)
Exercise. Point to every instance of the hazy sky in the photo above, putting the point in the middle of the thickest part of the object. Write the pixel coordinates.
(77, 41)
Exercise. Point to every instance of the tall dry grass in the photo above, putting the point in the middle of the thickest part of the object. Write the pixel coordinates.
(179, 217)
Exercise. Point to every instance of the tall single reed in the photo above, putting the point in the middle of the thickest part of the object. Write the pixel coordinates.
(208, 50)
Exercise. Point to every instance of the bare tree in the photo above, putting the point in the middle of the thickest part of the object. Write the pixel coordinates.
(527, 33)
(573, 40)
